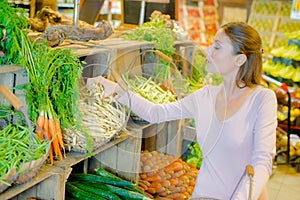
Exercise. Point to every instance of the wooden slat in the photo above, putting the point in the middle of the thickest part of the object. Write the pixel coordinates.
(46, 172)
(10, 68)
(189, 133)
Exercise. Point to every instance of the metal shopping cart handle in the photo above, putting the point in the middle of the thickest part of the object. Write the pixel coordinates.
(250, 173)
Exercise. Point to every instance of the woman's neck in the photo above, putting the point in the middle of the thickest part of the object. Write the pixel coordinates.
(230, 88)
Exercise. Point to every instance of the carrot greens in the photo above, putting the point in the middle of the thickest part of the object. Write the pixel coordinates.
(52, 91)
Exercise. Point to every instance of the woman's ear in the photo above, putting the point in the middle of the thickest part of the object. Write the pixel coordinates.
(240, 59)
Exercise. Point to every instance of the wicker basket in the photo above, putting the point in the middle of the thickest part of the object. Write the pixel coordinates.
(76, 141)
(10, 178)
(32, 168)
(83, 138)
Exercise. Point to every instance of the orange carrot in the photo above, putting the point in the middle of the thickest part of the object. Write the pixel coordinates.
(142, 185)
(154, 178)
(59, 133)
(160, 189)
(164, 194)
(175, 166)
(149, 195)
(190, 189)
(151, 190)
(166, 183)
(174, 189)
(155, 185)
(178, 174)
(46, 130)
(55, 142)
(140, 188)
(145, 182)
(39, 125)
(174, 181)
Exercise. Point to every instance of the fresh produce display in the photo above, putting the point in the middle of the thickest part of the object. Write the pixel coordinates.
(285, 60)
(280, 70)
(149, 89)
(263, 24)
(164, 176)
(52, 89)
(157, 31)
(288, 26)
(13, 21)
(18, 146)
(272, 20)
(291, 51)
(282, 96)
(279, 41)
(102, 185)
(282, 113)
(282, 141)
(293, 35)
(198, 74)
(265, 7)
(286, 9)
(102, 118)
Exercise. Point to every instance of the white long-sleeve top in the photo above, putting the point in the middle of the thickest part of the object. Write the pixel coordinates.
(247, 137)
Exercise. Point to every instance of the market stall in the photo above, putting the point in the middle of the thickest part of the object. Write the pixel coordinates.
(91, 137)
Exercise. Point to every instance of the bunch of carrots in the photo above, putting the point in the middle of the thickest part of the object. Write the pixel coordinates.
(49, 128)
(52, 89)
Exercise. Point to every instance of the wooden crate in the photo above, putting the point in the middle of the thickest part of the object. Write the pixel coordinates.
(163, 137)
(122, 159)
(12, 76)
(48, 184)
(121, 155)
(188, 138)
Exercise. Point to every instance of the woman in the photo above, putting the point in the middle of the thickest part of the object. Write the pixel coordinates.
(235, 121)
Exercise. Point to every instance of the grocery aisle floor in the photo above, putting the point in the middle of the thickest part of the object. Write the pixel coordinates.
(284, 184)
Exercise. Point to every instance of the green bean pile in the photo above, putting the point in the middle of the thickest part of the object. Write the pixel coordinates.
(18, 146)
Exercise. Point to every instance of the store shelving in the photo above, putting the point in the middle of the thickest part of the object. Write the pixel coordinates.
(121, 154)
(271, 19)
(287, 96)
(200, 19)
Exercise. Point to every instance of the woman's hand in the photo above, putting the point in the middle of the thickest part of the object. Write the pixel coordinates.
(109, 86)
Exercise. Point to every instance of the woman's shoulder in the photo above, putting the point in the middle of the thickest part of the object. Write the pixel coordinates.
(264, 92)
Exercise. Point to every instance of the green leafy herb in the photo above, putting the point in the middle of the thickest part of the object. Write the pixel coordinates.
(195, 157)
(53, 73)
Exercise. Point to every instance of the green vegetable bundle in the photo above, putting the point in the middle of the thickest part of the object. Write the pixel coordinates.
(149, 89)
(12, 22)
(195, 157)
(102, 185)
(17, 146)
(52, 92)
(157, 32)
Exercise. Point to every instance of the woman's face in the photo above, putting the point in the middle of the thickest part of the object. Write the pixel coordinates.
(219, 56)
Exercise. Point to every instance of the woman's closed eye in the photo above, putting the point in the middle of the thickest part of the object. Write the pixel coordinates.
(217, 46)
